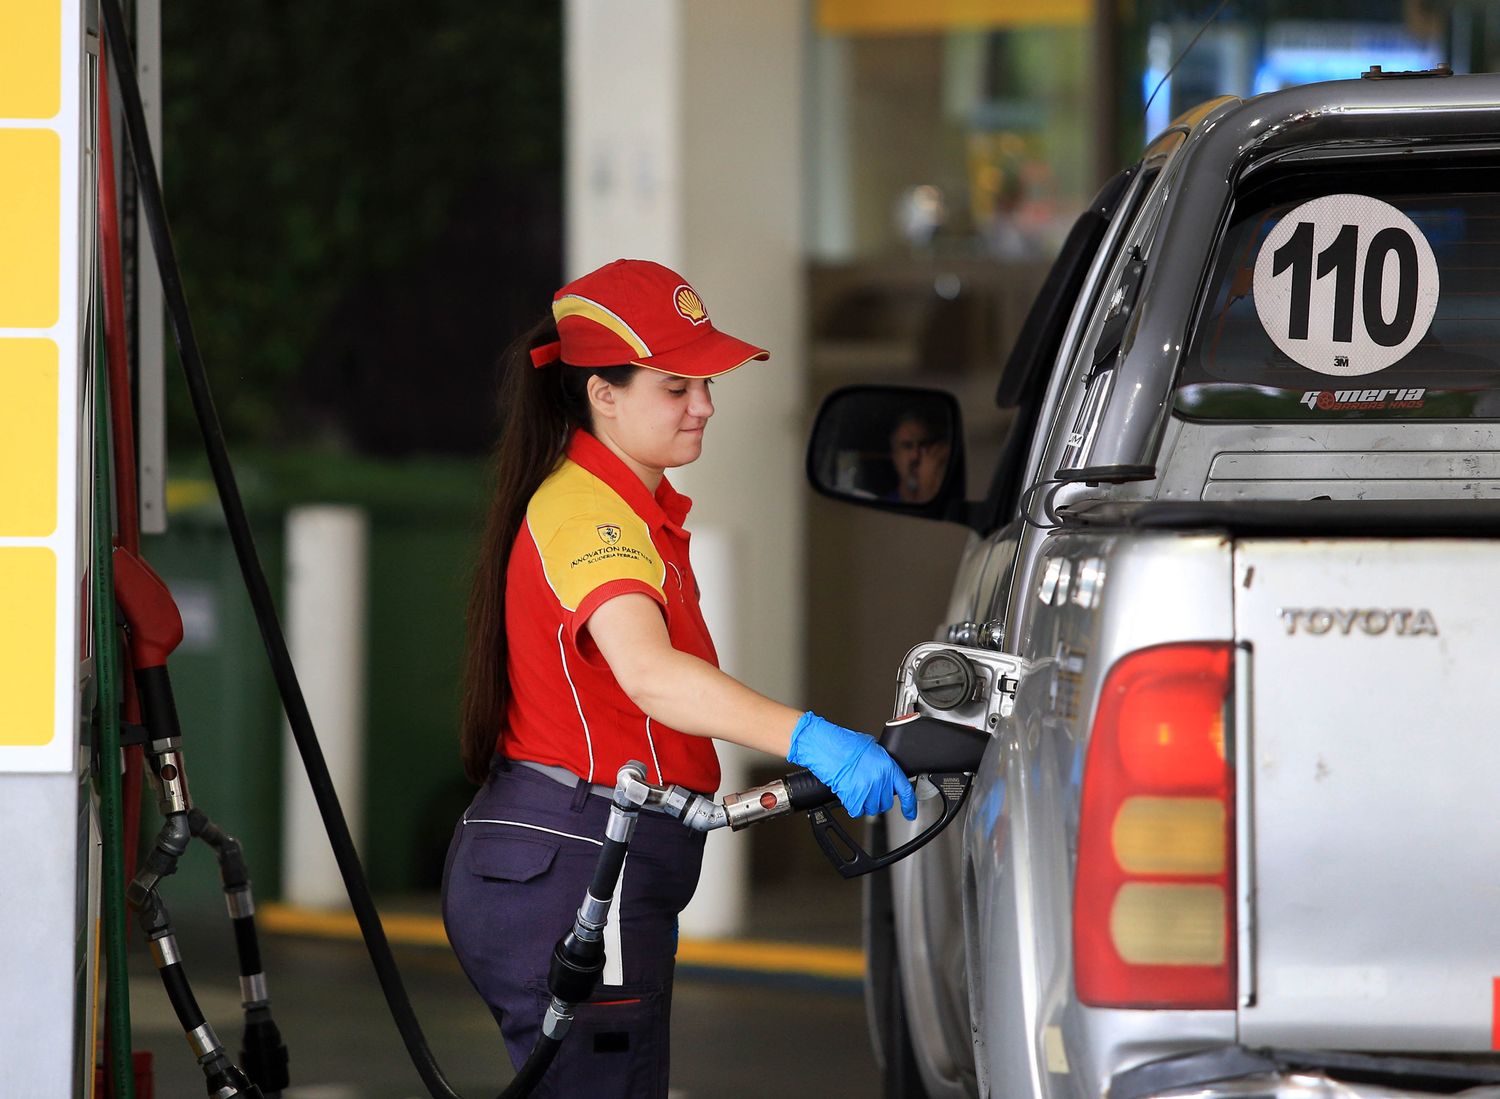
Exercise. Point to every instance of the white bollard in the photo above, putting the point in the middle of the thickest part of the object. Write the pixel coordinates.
(718, 908)
(325, 618)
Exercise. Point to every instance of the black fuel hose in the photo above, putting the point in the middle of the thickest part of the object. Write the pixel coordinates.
(259, 591)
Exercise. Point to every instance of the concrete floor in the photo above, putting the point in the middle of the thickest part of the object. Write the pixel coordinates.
(732, 1034)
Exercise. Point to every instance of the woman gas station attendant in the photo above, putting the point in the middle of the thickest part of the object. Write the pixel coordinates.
(587, 649)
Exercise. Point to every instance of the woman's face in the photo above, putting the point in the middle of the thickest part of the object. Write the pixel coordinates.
(657, 420)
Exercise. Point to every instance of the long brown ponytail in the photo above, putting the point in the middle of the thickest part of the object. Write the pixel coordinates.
(540, 410)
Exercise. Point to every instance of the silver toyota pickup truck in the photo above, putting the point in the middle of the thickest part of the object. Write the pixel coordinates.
(1230, 618)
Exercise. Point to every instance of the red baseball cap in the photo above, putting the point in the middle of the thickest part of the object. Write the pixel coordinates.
(635, 312)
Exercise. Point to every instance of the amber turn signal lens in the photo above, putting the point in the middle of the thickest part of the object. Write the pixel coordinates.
(1153, 923)
(1175, 836)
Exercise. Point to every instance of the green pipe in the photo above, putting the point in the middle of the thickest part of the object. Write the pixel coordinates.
(111, 804)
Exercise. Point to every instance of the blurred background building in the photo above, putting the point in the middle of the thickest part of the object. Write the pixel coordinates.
(369, 206)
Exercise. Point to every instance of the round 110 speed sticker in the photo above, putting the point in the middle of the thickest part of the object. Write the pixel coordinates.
(1346, 285)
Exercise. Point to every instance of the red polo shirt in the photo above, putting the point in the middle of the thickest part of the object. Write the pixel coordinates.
(593, 532)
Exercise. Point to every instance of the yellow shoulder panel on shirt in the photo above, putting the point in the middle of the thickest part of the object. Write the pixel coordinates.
(588, 536)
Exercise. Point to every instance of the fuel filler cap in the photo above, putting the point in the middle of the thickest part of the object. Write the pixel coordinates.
(944, 679)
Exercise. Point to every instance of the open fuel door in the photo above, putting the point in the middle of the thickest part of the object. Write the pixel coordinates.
(950, 699)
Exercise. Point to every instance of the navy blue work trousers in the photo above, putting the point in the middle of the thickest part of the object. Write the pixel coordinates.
(520, 862)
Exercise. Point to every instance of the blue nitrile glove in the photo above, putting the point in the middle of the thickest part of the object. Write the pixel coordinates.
(854, 766)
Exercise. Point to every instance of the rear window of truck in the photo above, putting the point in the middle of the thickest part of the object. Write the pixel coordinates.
(1357, 294)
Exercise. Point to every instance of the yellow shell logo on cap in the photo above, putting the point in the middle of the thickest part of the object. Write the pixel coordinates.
(689, 304)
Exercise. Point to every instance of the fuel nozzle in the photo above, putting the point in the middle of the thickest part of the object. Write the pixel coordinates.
(800, 789)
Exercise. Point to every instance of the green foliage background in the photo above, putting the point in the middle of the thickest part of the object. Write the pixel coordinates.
(314, 150)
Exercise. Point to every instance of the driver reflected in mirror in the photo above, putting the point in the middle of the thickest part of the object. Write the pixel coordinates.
(887, 446)
(920, 448)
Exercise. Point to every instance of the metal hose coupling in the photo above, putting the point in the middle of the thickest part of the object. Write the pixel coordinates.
(749, 806)
(632, 791)
(694, 810)
(701, 814)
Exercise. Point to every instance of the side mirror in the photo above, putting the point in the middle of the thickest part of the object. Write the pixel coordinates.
(894, 448)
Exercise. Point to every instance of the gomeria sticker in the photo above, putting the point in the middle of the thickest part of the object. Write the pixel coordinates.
(1346, 285)
(1363, 400)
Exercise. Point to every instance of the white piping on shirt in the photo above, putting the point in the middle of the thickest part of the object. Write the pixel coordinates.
(534, 828)
(588, 738)
(542, 560)
(652, 744)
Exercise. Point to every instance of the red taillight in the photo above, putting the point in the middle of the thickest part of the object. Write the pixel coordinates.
(1153, 899)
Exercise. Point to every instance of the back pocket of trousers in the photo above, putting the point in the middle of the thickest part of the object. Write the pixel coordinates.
(507, 857)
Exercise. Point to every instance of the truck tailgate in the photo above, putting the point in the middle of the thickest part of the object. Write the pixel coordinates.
(1374, 790)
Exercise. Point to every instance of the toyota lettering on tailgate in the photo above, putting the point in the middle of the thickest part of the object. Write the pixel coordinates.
(1401, 621)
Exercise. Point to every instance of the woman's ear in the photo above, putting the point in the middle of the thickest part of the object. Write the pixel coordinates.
(601, 397)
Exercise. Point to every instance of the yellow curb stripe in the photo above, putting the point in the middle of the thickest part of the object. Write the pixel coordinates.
(285, 919)
(838, 963)
(771, 957)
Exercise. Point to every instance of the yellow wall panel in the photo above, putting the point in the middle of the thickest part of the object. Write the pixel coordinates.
(28, 439)
(929, 16)
(28, 644)
(30, 58)
(30, 221)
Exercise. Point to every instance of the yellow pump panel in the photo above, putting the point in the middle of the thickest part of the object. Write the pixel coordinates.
(28, 644)
(30, 58)
(30, 227)
(28, 438)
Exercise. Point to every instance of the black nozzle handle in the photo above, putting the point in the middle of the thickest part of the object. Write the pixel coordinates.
(158, 704)
(806, 791)
(920, 745)
(946, 752)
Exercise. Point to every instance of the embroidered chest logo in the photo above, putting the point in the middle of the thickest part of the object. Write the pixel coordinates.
(689, 304)
(608, 533)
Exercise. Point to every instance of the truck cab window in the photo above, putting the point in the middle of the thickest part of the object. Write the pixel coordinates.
(1332, 299)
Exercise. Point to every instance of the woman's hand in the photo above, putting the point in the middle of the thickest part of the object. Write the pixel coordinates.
(854, 766)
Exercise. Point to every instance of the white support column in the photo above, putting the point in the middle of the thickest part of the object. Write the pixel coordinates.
(718, 908)
(325, 616)
(684, 145)
(742, 212)
(622, 68)
(151, 400)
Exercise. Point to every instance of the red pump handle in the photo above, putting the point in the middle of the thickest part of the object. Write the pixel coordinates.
(150, 612)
